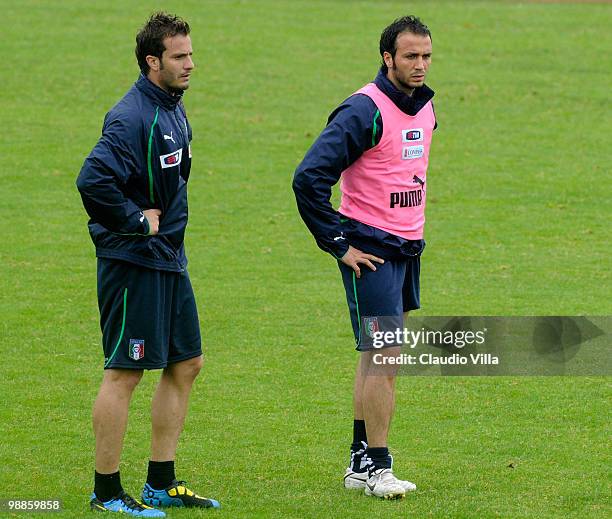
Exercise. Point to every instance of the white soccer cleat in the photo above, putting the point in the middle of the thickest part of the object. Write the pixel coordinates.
(408, 486)
(355, 480)
(382, 483)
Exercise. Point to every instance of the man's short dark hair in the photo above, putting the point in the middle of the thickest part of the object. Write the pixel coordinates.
(150, 39)
(388, 38)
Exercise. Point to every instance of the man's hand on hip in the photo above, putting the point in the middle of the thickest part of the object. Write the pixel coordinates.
(152, 216)
(354, 257)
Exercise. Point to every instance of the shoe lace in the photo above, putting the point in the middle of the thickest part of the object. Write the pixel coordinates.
(130, 502)
(387, 476)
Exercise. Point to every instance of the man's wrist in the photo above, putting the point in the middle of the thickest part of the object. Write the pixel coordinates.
(340, 249)
(145, 224)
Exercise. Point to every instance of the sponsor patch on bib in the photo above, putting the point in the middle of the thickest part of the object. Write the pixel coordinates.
(412, 152)
(412, 135)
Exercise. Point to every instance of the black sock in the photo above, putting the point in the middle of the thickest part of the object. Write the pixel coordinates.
(381, 459)
(107, 486)
(161, 474)
(359, 435)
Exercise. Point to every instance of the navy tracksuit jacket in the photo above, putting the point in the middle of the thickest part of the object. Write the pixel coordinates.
(142, 161)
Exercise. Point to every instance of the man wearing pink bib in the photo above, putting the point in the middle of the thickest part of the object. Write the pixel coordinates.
(377, 144)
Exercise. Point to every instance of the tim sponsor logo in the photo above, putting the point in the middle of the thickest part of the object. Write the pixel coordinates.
(412, 135)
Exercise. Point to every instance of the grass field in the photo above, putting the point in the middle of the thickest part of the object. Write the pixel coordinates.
(519, 199)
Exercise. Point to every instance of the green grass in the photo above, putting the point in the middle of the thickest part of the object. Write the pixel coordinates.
(518, 224)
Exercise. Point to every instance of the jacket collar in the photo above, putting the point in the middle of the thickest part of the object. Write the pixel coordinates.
(407, 104)
(158, 95)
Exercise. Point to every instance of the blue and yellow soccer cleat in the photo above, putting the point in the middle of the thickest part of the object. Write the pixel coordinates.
(124, 504)
(177, 494)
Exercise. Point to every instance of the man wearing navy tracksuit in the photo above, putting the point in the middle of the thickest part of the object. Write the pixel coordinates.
(377, 142)
(134, 188)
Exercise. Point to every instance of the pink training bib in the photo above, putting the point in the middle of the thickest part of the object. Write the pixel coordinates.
(385, 187)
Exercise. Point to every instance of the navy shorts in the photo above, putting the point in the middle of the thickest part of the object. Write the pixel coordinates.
(378, 299)
(148, 317)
